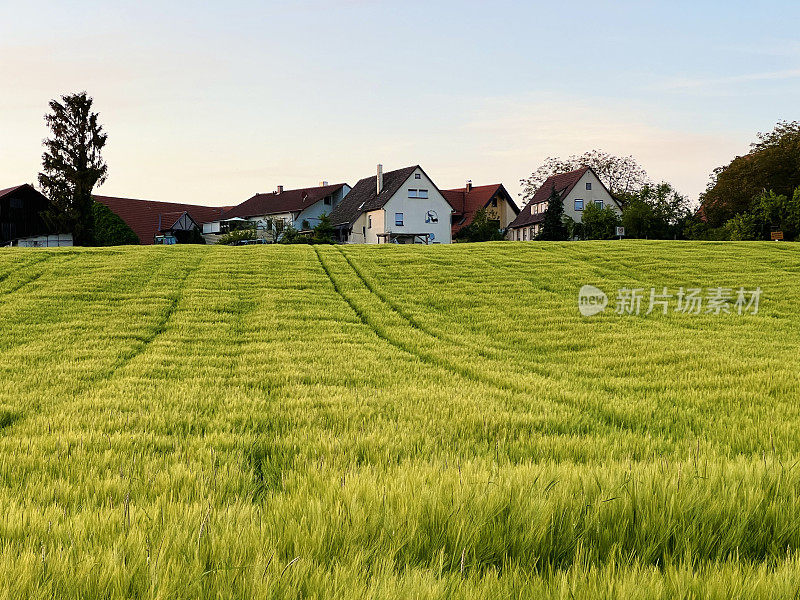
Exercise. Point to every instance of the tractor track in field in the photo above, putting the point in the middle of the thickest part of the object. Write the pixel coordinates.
(609, 420)
(35, 277)
(145, 341)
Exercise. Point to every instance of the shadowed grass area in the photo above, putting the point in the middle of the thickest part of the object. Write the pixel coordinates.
(383, 422)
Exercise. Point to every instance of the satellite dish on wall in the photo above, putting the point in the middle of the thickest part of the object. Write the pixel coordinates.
(431, 217)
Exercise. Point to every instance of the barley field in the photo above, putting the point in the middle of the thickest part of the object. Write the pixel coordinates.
(396, 422)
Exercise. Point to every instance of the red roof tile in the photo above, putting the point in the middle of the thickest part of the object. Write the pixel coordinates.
(287, 201)
(144, 216)
(465, 204)
(12, 189)
(563, 182)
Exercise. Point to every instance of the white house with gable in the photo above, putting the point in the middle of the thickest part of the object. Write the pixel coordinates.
(577, 189)
(397, 207)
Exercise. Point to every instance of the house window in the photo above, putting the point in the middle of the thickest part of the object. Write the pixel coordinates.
(369, 222)
(588, 187)
(494, 202)
(413, 193)
(417, 176)
(578, 204)
(599, 203)
(327, 201)
(398, 219)
(525, 235)
(422, 193)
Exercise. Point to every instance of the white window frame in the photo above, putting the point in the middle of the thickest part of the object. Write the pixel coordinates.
(583, 204)
(412, 193)
(423, 194)
(599, 203)
(398, 222)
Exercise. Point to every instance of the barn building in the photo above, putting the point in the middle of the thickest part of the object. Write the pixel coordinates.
(162, 222)
(21, 222)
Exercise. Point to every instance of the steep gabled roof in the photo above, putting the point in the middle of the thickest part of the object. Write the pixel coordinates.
(562, 182)
(148, 217)
(466, 203)
(14, 189)
(364, 196)
(287, 201)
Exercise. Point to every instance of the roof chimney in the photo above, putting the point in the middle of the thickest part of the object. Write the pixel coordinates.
(280, 190)
(380, 178)
(468, 187)
(323, 183)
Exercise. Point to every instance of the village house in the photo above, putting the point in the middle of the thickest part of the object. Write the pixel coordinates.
(401, 207)
(157, 222)
(21, 222)
(272, 213)
(467, 201)
(576, 189)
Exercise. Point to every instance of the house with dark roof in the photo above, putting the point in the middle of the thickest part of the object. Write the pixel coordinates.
(163, 222)
(300, 208)
(21, 222)
(399, 207)
(470, 199)
(576, 189)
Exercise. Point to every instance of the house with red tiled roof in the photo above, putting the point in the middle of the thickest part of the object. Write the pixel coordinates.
(470, 199)
(403, 206)
(163, 222)
(300, 208)
(576, 189)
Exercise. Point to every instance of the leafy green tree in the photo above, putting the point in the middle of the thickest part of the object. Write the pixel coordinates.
(72, 165)
(599, 223)
(638, 219)
(656, 212)
(293, 236)
(482, 229)
(237, 235)
(744, 226)
(621, 174)
(553, 227)
(771, 211)
(109, 229)
(773, 163)
(324, 232)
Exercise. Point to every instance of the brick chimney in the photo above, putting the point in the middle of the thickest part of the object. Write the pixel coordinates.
(468, 187)
(280, 190)
(380, 178)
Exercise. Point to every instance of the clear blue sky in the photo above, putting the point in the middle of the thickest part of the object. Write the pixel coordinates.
(212, 102)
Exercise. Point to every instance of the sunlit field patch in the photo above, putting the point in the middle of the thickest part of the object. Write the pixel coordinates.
(385, 422)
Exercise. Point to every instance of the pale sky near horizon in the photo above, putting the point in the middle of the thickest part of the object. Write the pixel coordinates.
(211, 102)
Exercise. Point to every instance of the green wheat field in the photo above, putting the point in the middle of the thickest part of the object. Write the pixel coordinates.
(396, 422)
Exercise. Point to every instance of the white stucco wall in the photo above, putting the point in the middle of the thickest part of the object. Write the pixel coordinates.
(316, 210)
(415, 210)
(598, 192)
